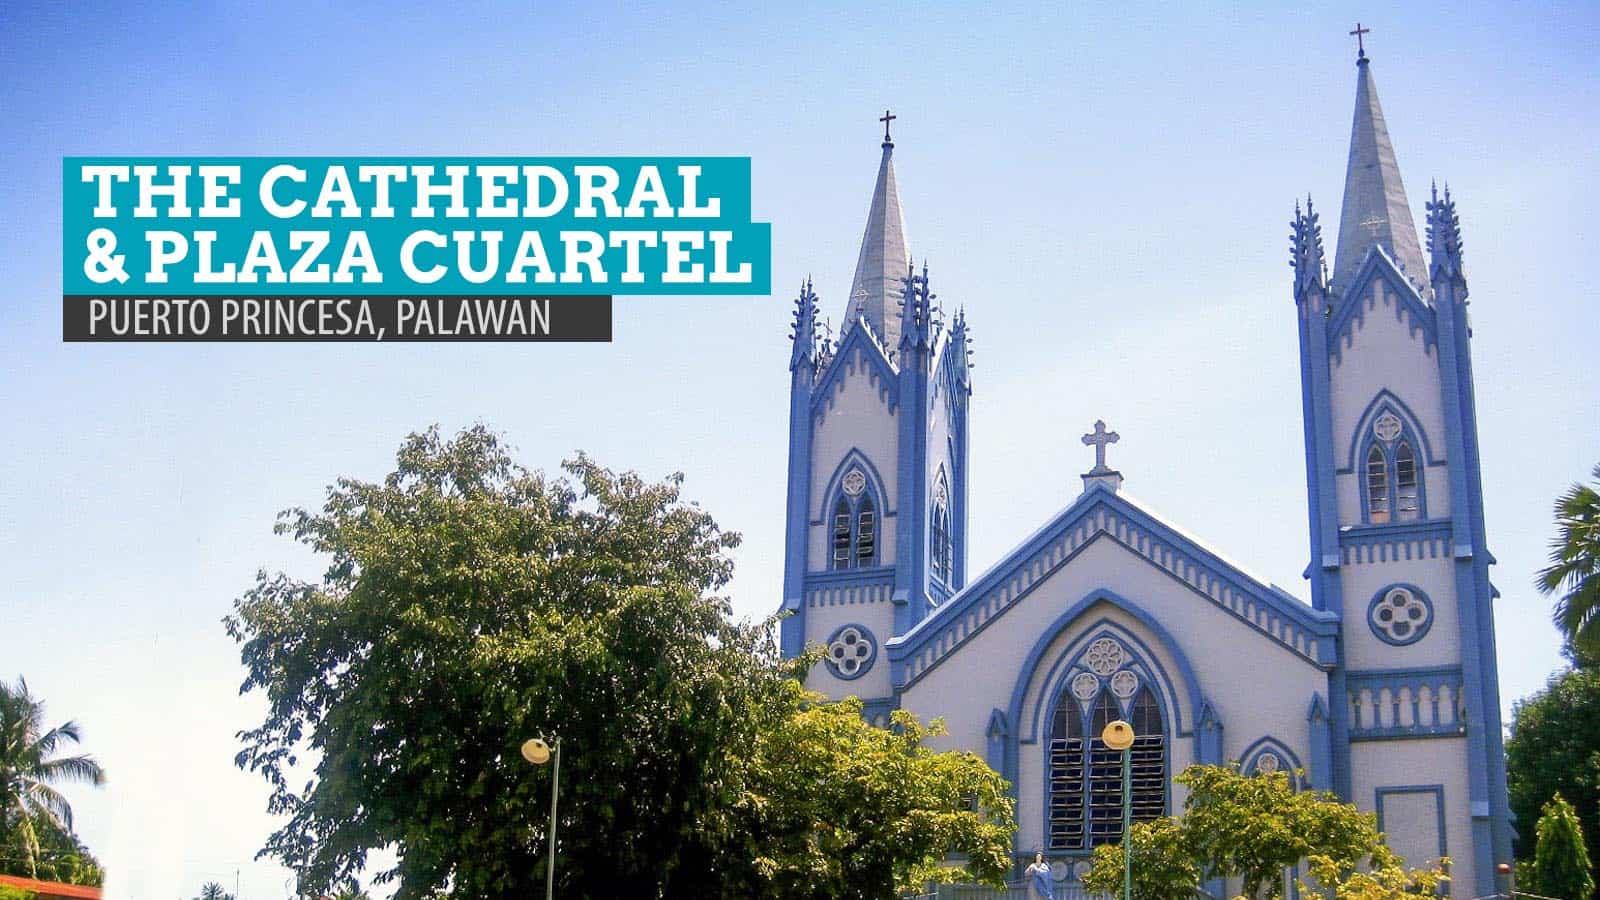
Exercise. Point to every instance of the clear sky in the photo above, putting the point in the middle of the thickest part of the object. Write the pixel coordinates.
(1107, 191)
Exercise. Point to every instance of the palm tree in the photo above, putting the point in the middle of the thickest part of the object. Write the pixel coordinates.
(213, 891)
(29, 767)
(1574, 568)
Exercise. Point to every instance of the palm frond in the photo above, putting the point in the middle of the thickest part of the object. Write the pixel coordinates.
(72, 768)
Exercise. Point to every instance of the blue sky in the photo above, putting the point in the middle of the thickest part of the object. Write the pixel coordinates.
(1107, 192)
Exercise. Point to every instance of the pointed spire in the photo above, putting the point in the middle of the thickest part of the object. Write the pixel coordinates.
(885, 255)
(805, 327)
(1305, 250)
(1375, 211)
(1444, 236)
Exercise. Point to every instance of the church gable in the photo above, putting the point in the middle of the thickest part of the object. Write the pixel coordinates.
(859, 356)
(1379, 288)
(1102, 515)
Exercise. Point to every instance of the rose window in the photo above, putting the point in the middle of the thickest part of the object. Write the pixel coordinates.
(1104, 656)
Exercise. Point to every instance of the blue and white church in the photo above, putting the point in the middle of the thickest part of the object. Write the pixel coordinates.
(1381, 688)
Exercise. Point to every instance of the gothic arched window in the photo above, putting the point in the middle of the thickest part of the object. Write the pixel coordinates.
(1405, 480)
(853, 528)
(1085, 803)
(1377, 486)
(941, 554)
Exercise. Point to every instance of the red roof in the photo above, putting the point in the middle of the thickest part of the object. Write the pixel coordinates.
(48, 890)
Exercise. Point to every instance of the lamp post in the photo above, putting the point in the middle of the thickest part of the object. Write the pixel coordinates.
(1118, 735)
(538, 752)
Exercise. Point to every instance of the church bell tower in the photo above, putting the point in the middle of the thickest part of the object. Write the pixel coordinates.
(1398, 546)
(877, 481)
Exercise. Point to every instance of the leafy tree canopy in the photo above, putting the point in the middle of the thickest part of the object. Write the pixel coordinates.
(1253, 827)
(36, 838)
(1561, 862)
(1554, 748)
(470, 604)
(838, 808)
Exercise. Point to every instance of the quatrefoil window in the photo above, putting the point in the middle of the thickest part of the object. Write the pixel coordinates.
(851, 652)
(1400, 614)
(1387, 427)
(854, 483)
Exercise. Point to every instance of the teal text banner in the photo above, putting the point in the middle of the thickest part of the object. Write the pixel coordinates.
(197, 226)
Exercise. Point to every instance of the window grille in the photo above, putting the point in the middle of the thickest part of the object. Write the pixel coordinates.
(941, 542)
(866, 533)
(1377, 486)
(1405, 478)
(841, 535)
(1085, 804)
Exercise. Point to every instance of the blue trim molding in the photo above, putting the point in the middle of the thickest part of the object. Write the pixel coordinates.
(1391, 704)
(1437, 790)
(1288, 762)
(1411, 427)
(1401, 619)
(1101, 513)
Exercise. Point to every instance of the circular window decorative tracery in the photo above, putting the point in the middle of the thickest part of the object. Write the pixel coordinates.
(1124, 684)
(1387, 427)
(1085, 687)
(1400, 615)
(855, 482)
(1104, 656)
(851, 652)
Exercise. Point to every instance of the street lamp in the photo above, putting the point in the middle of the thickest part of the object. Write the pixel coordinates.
(1118, 735)
(536, 751)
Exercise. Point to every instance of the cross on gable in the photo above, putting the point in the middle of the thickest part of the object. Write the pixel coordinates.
(1098, 439)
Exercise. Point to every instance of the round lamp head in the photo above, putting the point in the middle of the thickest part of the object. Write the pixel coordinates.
(1118, 735)
(536, 751)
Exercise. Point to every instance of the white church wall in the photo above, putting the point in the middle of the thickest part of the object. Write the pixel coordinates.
(1385, 352)
(1259, 687)
(1412, 777)
(821, 624)
(855, 417)
(1440, 645)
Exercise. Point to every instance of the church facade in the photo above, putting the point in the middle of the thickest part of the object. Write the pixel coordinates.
(1381, 688)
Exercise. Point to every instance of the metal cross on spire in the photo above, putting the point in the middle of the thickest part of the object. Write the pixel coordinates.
(1361, 47)
(886, 119)
(1098, 439)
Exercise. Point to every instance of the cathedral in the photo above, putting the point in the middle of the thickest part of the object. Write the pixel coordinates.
(1382, 688)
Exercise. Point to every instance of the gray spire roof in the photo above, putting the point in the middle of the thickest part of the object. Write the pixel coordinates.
(1375, 208)
(885, 258)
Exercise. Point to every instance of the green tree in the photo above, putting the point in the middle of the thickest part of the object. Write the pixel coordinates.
(1554, 748)
(1253, 827)
(1574, 570)
(1384, 877)
(837, 808)
(29, 770)
(47, 852)
(1163, 867)
(468, 605)
(10, 893)
(1561, 862)
(213, 891)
